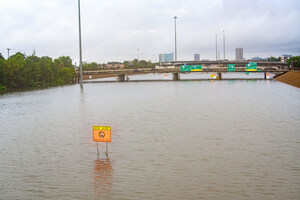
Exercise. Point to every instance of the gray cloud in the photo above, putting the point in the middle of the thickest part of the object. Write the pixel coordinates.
(114, 30)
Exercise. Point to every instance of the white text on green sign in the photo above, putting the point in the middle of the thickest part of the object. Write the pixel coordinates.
(188, 68)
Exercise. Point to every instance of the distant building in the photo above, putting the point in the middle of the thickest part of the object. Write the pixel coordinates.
(130, 63)
(239, 55)
(284, 57)
(114, 65)
(166, 57)
(196, 57)
(287, 55)
(256, 58)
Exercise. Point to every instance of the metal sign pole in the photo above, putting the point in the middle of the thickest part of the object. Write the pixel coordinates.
(97, 151)
(106, 149)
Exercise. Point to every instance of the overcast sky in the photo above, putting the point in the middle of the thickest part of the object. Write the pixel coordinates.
(114, 30)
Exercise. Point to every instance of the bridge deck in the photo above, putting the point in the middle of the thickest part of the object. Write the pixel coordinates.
(175, 70)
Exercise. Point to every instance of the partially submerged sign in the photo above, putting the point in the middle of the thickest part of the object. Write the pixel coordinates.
(102, 133)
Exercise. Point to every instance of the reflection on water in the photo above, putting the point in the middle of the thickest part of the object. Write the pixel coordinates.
(103, 177)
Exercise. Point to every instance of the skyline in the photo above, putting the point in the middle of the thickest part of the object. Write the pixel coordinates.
(124, 30)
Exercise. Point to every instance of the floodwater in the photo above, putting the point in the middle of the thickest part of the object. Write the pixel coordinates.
(170, 140)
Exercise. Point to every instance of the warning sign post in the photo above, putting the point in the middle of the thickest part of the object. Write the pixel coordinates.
(102, 134)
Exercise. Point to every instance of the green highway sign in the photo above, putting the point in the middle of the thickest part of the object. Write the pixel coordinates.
(252, 66)
(196, 68)
(231, 67)
(185, 68)
(189, 68)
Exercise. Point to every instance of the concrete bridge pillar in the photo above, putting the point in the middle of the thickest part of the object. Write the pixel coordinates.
(267, 75)
(176, 76)
(120, 78)
(219, 76)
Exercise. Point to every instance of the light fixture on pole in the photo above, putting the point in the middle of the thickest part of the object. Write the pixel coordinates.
(175, 41)
(80, 48)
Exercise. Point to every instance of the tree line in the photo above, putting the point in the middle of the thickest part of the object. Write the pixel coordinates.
(20, 72)
(138, 64)
(294, 62)
(127, 65)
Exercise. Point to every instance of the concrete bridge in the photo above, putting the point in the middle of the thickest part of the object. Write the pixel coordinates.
(217, 67)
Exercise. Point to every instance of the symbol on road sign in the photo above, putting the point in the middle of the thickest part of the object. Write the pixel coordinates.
(231, 67)
(101, 134)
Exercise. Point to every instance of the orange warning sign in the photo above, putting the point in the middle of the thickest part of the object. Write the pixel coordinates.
(102, 133)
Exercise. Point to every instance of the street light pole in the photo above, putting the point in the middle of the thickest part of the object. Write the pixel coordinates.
(216, 47)
(175, 41)
(8, 49)
(80, 48)
(224, 42)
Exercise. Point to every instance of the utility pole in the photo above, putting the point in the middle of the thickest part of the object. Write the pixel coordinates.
(8, 49)
(216, 47)
(138, 55)
(175, 41)
(80, 48)
(224, 42)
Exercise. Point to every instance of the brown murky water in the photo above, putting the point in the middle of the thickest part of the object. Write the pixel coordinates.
(170, 140)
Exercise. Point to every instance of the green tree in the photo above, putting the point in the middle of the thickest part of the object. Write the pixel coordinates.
(16, 72)
(135, 63)
(33, 71)
(64, 61)
(90, 66)
(1, 56)
(65, 69)
(47, 75)
(67, 74)
(126, 64)
(272, 58)
(2, 76)
(294, 62)
(22, 72)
